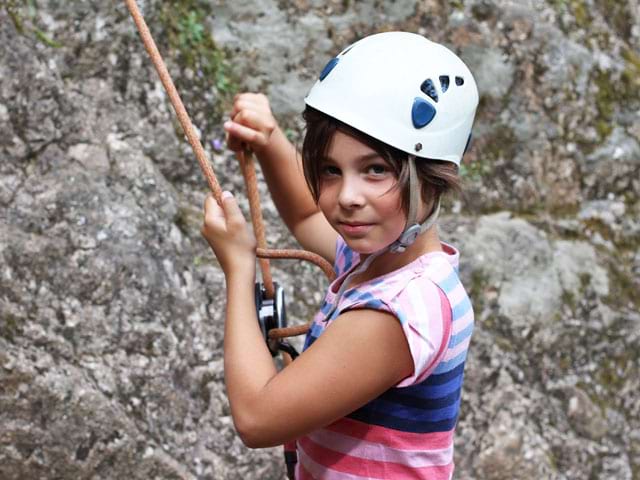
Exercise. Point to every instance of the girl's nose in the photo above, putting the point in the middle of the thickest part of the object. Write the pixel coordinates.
(350, 194)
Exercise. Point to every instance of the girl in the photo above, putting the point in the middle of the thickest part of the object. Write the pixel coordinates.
(376, 391)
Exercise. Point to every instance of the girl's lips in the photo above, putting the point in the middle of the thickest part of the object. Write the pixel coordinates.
(356, 230)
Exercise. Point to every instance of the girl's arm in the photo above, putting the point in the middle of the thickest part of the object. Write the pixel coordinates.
(253, 124)
(362, 354)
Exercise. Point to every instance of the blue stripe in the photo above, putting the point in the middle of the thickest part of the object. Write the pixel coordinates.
(313, 333)
(455, 362)
(348, 258)
(461, 336)
(397, 395)
(379, 406)
(461, 308)
(402, 317)
(308, 341)
(374, 304)
(354, 293)
(326, 306)
(449, 283)
(316, 330)
(435, 390)
(364, 297)
(403, 424)
(438, 378)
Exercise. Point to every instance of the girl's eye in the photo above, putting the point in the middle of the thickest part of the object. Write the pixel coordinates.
(377, 169)
(329, 170)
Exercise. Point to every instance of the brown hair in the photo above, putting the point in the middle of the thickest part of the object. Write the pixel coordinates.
(437, 177)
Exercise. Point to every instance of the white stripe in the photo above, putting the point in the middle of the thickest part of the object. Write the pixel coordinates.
(438, 269)
(319, 472)
(427, 336)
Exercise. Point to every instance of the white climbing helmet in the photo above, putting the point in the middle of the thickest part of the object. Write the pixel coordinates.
(404, 90)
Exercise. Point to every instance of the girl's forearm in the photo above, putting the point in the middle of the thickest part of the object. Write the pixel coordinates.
(248, 365)
(282, 167)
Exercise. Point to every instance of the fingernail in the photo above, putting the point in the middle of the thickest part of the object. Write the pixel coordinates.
(226, 194)
(227, 124)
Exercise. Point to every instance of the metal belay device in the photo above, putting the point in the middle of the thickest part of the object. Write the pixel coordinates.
(272, 314)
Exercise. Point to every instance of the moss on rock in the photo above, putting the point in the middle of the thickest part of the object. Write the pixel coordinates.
(205, 68)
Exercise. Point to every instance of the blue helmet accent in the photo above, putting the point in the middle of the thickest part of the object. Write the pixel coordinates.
(422, 112)
(328, 67)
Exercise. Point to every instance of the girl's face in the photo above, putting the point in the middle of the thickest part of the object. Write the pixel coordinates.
(357, 195)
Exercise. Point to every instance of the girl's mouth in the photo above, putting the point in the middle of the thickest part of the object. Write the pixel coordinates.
(356, 229)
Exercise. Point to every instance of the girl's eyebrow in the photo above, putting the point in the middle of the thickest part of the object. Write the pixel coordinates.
(362, 158)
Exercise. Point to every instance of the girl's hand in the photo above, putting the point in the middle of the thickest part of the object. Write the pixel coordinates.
(251, 124)
(228, 235)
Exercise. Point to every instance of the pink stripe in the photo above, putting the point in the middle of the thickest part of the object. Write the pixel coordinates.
(457, 350)
(392, 438)
(370, 468)
(307, 469)
(445, 313)
(354, 447)
(457, 294)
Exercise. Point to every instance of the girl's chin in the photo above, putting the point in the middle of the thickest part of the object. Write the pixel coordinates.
(364, 247)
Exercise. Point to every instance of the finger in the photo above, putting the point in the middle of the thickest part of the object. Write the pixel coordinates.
(210, 204)
(233, 143)
(231, 209)
(244, 101)
(255, 119)
(244, 134)
(213, 213)
(247, 113)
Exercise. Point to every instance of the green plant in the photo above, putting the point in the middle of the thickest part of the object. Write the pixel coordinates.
(24, 15)
(184, 23)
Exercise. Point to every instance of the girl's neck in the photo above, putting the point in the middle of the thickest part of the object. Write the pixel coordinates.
(388, 262)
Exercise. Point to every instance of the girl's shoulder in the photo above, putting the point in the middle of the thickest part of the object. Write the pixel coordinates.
(417, 282)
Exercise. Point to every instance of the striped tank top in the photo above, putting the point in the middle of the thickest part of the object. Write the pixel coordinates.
(407, 432)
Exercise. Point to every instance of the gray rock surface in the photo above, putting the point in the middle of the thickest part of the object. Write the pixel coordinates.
(111, 305)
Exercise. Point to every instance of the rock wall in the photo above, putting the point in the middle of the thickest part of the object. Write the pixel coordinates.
(111, 304)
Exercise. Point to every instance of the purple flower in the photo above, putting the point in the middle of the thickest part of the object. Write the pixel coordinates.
(217, 144)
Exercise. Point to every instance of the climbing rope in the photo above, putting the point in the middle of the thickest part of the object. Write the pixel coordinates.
(248, 170)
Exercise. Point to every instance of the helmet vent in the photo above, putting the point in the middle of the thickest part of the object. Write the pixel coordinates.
(459, 81)
(429, 89)
(444, 83)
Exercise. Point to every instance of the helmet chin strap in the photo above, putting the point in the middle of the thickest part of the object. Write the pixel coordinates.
(413, 228)
(407, 237)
